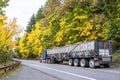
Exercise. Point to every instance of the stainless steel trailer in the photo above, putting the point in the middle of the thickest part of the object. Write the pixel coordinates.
(92, 54)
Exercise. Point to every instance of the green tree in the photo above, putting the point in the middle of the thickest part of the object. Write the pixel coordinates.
(3, 4)
(31, 24)
(39, 14)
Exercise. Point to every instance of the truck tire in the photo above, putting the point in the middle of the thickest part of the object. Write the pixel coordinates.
(76, 62)
(106, 65)
(83, 63)
(70, 62)
(92, 63)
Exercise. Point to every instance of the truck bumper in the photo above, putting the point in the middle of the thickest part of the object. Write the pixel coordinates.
(105, 62)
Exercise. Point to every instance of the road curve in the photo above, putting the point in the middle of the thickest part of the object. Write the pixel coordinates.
(43, 71)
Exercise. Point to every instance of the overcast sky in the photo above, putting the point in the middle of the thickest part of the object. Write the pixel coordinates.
(23, 10)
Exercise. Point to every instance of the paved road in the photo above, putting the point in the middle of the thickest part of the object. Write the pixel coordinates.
(33, 70)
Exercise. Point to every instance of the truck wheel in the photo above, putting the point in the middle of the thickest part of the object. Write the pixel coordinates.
(70, 62)
(92, 63)
(83, 62)
(106, 65)
(76, 62)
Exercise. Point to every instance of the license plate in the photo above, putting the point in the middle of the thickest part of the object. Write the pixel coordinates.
(106, 59)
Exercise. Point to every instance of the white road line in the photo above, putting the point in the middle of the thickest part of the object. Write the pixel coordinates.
(77, 75)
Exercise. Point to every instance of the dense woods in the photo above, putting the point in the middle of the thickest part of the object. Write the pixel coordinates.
(64, 22)
(7, 31)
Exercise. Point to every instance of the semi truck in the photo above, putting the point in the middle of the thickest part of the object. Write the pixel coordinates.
(92, 54)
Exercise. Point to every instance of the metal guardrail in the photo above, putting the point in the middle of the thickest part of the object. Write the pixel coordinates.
(9, 67)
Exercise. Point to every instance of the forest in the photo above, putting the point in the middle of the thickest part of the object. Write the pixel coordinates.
(7, 31)
(64, 22)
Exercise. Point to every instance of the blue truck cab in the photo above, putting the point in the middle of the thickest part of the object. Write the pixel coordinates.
(44, 56)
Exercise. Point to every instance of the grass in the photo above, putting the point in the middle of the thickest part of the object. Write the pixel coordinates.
(116, 65)
(116, 58)
(8, 62)
(10, 72)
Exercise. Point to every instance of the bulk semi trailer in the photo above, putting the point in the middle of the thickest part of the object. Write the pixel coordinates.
(92, 54)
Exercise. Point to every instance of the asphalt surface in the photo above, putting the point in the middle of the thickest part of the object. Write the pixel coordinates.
(33, 70)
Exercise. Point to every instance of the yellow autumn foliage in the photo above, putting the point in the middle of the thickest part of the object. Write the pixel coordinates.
(86, 29)
(31, 43)
(2, 20)
(81, 17)
(59, 37)
(7, 32)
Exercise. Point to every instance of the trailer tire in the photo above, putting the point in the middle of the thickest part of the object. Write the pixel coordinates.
(83, 62)
(92, 63)
(70, 62)
(76, 62)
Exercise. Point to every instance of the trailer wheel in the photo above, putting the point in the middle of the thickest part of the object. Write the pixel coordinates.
(92, 63)
(83, 62)
(70, 62)
(76, 62)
